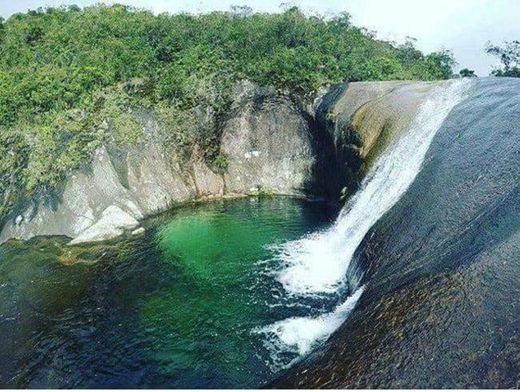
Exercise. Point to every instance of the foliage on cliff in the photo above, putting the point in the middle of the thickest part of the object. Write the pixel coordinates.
(69, 76)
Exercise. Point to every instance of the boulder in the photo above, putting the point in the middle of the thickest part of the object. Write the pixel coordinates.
(112, 223)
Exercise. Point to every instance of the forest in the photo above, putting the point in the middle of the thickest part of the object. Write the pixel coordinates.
(70, 76)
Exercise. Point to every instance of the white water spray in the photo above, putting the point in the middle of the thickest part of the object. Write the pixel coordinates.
(298, 335)
(317, 264)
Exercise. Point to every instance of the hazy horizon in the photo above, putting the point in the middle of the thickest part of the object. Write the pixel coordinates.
(462, 26)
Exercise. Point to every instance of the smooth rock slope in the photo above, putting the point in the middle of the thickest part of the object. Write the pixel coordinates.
(441, 274)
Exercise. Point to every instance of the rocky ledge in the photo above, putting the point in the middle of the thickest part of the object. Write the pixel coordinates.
(272, 143)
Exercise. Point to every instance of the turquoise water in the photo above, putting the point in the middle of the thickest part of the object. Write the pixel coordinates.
(176, 307)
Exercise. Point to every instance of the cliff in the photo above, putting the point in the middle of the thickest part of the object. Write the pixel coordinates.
(270, 142)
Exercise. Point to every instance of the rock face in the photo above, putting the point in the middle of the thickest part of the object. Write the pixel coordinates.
(268, 147)
(363, 118)
(113, 222)
(271, 145)
(87, 195)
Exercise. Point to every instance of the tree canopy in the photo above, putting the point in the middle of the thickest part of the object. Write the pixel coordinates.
(467, 73)
(54, 59)
(509, 55)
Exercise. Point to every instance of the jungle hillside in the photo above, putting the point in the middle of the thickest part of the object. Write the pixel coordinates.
(70, 77)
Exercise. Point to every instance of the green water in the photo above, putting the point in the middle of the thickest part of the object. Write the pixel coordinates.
(173, 308)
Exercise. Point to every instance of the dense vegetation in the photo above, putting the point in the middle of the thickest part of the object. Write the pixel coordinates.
(69, 77)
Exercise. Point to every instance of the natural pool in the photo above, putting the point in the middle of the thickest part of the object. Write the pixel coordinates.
(184, 305)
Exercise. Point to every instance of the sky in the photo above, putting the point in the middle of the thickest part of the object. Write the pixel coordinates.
(463, 26)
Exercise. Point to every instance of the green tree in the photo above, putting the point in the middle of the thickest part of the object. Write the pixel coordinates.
(509, 56)
(467, 73)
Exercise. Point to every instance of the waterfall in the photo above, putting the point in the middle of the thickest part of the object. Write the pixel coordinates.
(318, 263)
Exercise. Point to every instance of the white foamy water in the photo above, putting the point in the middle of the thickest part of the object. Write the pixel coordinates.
(301, 334)
(317, 264)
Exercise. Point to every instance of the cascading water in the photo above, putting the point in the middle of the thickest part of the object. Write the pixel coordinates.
(318, 264)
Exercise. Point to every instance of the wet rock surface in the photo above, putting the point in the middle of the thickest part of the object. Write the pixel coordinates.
(362, 119)
(441, 304)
